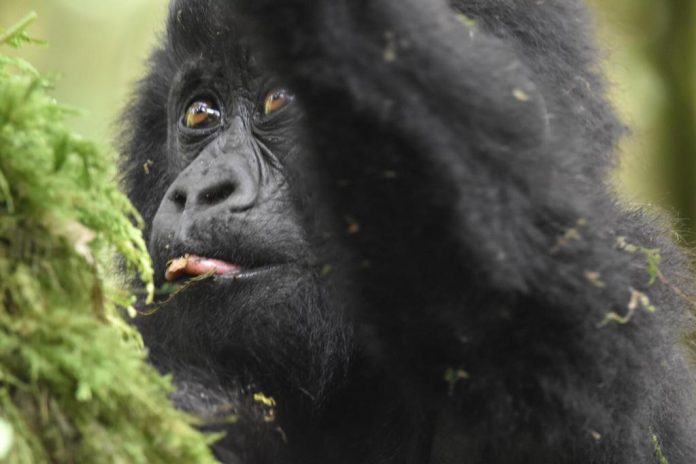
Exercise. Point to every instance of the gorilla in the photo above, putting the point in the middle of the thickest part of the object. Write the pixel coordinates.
(389, 237)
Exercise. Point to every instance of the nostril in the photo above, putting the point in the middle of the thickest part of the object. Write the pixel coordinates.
(178, 197)
(217, 193)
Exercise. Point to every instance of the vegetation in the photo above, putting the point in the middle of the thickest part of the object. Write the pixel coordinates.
(74, 384)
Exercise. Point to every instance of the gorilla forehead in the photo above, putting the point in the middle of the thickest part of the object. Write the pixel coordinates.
(194, 25)
(206, 33)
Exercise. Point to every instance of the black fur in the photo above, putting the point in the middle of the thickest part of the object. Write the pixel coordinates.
(437, 196)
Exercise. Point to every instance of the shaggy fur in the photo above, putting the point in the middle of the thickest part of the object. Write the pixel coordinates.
(437, 192)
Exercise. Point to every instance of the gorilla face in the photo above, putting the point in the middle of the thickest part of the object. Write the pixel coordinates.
(228, 210)
(233, 225)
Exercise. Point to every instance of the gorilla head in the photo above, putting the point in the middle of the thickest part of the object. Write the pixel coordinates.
(391, 217)
(223, 193)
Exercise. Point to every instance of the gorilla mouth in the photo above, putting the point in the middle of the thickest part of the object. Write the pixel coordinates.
(197, 266)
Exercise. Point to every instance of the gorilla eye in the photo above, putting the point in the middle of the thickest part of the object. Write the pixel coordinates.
(276, 100)
(202, 114)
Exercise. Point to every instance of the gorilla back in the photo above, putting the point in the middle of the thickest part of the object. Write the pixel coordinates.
(394, 241)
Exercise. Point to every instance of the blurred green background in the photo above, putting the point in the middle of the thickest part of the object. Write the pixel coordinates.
(99, 48)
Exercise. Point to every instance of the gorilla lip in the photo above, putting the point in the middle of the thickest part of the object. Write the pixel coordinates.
(192, 265)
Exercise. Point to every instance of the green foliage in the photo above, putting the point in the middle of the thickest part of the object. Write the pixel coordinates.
(74, 384)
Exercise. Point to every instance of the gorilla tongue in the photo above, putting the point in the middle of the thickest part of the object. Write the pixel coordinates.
(192, 265)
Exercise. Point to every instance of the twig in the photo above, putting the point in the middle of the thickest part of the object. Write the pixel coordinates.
(19, 27)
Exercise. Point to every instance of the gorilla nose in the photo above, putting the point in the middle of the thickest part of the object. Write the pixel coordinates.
(217, 193)
(215, 184)
(207, 196)
(200, 193)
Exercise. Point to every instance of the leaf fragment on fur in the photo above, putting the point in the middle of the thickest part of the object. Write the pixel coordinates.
(265, 400)
(521, 95)
(638, 300)
(570, 235)
(390, 47)
(653, 257)
(659, 454)
(595, 278)
(453, 377)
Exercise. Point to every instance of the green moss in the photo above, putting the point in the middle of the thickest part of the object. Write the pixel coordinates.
(74, 384)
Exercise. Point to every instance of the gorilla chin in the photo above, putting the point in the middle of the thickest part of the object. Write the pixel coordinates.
(272, 328)
(390, 238)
